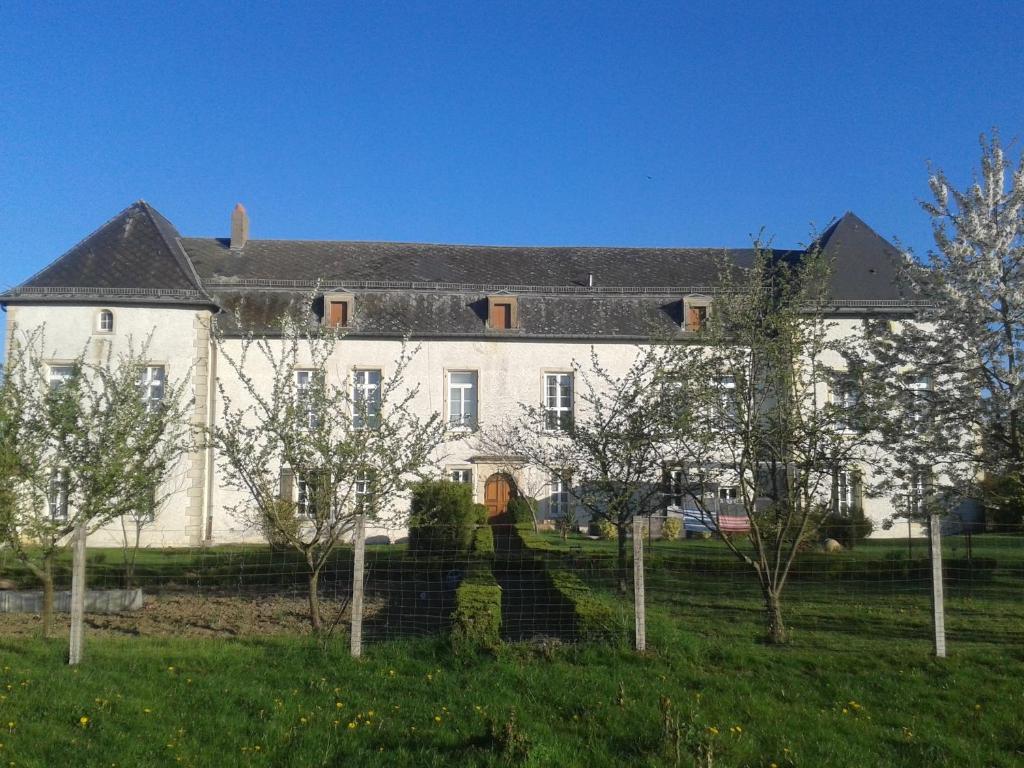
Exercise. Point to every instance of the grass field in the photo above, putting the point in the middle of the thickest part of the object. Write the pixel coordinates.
(856, 687)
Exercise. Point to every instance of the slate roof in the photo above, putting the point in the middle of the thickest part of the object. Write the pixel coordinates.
(468, 264)
(137, 250)
(427, 289)
(862, 261)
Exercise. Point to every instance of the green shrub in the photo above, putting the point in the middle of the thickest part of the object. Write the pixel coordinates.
(671, 529)
(606, 529)
(520, 510)
(476, 620)
(480, 511)
(847, 530)
(483, 540)
(594, 616)
(442, 520)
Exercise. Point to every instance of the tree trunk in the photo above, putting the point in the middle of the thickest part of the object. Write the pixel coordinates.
(47, 578)
(314, 601)
(773, 607)
(623, 565)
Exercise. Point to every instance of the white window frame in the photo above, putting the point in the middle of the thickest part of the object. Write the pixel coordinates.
(458, 420)
(365, 391)
(846, 398)
(102, 315)
(303, 381)
(58, 374)
(726, 388)
(559, 500)
(558, 405)
(676, 481)
(304, 505)
(151, 388)
(844, 496)
(461, 475)
(57, 495)
(919, 388)
(363, 489)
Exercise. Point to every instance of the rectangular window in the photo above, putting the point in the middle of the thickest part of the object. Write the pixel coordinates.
(463, 476)
(462, 389)
(306, 504)
(502, 312)
(59, 375)
(366, 399)
(675, 487)
(728, 416)
(558, 501)
(846, 401)
(364, 491)
(844, 492)
(151, 385)
(920, 396)
(917, 491)
(58, 495)
(557, 401)
(696, 311)
(304, 399)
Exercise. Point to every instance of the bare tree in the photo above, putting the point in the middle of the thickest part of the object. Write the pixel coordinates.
(309, 448)
(608, 450)
(83, 445)
(747, 401)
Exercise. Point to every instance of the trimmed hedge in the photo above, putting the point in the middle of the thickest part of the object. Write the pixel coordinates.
(520, 510)
(483, 540)
(476, 620)
(595, 616)
(480, 510)
(442, 519)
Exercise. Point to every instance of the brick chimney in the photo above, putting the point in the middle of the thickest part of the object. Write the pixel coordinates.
(239, 227)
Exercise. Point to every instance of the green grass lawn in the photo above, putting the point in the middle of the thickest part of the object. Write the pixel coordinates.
(856, 686)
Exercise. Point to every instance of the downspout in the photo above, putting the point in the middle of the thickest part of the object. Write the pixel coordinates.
(211, 416)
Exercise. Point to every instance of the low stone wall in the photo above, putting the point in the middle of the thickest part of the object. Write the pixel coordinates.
(96, 601)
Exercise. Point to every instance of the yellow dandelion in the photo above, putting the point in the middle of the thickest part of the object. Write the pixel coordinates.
(351, 725)
(147, 710)
(370, 713)
(437, 718)
(712, 730)
(338, 705)
(83, 721)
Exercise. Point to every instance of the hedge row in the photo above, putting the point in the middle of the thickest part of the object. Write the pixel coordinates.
(595, 616)
(476, 620)
(483, 541)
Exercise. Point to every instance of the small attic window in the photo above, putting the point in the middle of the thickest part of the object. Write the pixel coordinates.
(105, 321)
(696, 311)
(502, 313)
(338, 310)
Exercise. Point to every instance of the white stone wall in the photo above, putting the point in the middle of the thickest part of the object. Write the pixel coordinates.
(173, 334)
(509, 371)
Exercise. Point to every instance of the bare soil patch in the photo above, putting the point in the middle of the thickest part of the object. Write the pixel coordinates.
(190, 615)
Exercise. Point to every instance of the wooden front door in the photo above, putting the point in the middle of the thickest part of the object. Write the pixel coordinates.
(497, 492)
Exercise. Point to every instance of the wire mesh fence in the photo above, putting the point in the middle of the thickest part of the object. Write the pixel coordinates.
(526, 583)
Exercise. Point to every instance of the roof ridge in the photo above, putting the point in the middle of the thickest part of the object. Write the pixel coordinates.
(708, 248)
(176, 249)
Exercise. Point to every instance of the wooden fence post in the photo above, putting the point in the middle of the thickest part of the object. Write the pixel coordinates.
(638, 584)
(938, 600)
(358, 575)
(77, 595)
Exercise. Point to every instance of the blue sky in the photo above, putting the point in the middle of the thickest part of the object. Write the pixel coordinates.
(518, 123)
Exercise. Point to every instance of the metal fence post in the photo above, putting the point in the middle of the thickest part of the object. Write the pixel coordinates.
(938, 601)
(358, 575)
(638, 584)
(77, 595)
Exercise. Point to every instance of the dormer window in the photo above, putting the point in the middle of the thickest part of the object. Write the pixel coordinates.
(105, 321)
(696, 311)
(502, 313)
(338, 310)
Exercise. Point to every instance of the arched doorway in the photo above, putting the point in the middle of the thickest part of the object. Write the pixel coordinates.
(498, 489)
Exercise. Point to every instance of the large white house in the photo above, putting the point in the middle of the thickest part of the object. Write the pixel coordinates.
(497, 326)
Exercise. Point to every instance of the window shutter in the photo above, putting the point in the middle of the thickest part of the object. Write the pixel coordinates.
(858, 491)
(835, 491)
(287, 485)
